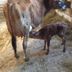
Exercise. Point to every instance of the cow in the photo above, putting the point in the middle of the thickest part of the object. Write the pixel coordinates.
(47, 32)
(21, 17)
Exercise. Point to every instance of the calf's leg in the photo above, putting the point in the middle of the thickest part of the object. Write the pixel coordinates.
(64, 42)
(48, 44)
(44, 45)
(62, 36)
(25, 40)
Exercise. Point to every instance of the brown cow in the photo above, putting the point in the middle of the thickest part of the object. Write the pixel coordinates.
(16, 25)
(21, 17)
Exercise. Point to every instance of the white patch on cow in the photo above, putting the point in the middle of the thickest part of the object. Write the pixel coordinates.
(30, 28)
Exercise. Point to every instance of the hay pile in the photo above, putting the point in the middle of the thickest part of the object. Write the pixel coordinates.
(53, 17)
(4, 36)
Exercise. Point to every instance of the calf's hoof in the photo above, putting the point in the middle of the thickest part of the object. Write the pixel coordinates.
(64, 50)
(47, 53)
(62, 43)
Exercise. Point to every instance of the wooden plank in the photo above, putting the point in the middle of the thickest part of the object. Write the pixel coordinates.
(67, 17)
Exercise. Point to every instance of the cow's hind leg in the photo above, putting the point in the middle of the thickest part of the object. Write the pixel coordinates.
(14, 46)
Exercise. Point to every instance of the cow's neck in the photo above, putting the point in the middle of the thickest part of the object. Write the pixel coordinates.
(38, 11)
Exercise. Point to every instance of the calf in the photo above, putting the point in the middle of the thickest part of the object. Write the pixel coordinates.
(50, 30)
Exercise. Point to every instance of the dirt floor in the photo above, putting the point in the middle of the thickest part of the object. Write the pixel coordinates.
(56, 61)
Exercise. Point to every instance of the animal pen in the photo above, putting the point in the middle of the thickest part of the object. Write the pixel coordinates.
(56, 60)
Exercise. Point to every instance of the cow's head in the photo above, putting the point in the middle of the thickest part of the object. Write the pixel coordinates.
(23, 17)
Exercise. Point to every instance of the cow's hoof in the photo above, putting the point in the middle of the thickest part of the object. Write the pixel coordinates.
(26, 59)
(17, 56)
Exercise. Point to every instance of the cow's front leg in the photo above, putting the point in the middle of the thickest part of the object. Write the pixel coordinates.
(24, 48)
(14, 46)
(25, 41)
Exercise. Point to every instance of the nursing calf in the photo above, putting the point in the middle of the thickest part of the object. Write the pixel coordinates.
(48, 31)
